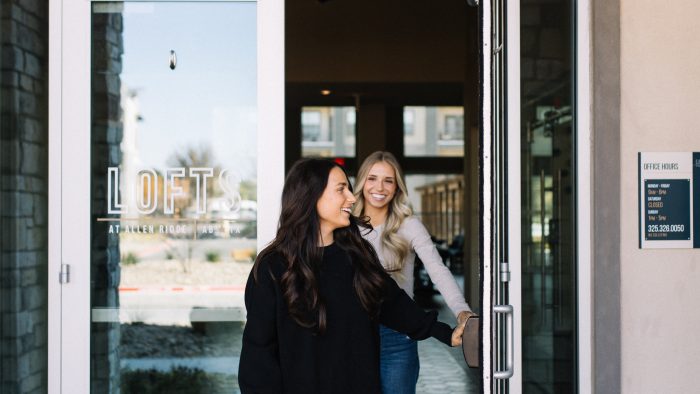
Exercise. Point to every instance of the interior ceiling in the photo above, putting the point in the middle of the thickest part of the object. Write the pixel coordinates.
(399, 94)
(379, 50)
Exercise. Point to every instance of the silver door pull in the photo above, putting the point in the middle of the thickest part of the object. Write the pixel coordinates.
(508, 311)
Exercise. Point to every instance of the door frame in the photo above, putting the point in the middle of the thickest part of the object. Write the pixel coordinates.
(506, 55)
(69, 151)
(583, 171)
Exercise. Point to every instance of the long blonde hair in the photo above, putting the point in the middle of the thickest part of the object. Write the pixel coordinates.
(396, 248)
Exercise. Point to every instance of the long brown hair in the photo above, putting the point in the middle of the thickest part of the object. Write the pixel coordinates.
(298, 239)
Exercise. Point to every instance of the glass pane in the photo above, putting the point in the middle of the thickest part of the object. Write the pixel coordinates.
(437, 200)
(548, 204)
(173, 193)
(433, 131)
(328, 131)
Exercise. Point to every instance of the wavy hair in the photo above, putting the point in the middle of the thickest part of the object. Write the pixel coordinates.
(297, 242)
(395, 247)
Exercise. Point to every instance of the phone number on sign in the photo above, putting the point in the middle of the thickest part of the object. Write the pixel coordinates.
(665, 228)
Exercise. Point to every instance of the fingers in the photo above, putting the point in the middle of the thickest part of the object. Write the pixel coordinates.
(457, 334)
(465, 315)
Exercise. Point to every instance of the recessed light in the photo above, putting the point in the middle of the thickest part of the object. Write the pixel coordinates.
(325, 92)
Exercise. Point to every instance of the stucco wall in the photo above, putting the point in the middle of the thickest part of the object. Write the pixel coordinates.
(660, 108)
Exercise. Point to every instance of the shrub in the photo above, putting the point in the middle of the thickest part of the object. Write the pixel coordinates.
(212, 256)
(130, 259)
(182, 380)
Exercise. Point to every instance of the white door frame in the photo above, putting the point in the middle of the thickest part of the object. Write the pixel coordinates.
(583, 196)
(514, 193)
(69, 172)
(69, 216)
(510, 47)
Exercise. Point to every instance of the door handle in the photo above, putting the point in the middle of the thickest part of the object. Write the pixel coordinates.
(508, 311)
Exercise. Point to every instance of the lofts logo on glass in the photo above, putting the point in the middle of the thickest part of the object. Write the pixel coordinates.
(177, 200)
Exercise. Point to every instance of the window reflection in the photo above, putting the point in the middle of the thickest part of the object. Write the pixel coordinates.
(174, 204)
(548, 203)
(328, 131)
(433, 131)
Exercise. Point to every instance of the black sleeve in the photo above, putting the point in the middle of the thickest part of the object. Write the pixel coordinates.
(259, 368)
(400, 313)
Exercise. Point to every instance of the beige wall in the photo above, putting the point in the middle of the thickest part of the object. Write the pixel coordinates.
(660, 111)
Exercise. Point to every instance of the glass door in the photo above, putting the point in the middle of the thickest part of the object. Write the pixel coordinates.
(530, 271)
(161, 188)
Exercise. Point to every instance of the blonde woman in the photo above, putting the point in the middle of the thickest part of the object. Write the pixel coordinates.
(397, 236)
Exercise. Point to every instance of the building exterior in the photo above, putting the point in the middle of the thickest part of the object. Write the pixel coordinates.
(519, 125)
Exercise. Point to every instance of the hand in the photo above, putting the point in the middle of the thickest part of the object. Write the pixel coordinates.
(457, 333)
(464, 316)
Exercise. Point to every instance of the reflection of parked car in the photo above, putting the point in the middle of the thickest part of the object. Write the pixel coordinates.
(218, 208)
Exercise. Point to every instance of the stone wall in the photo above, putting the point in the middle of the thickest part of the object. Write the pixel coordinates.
(107, 131)
(23, 196)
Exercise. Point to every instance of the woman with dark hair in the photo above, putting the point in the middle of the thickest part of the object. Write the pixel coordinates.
(317, 293)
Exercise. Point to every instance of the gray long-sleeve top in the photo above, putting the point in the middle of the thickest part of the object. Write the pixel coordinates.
(413, 231)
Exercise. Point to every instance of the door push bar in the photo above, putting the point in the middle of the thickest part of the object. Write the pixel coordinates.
(508, 311)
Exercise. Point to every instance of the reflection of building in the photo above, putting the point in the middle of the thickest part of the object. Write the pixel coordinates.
(433, 131)
(131, 162)
(328, 131)
(428, 131)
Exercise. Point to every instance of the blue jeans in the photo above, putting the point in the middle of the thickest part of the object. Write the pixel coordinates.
(398, 362)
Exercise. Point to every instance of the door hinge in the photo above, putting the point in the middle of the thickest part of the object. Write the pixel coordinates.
(64, 275)
(505, 272)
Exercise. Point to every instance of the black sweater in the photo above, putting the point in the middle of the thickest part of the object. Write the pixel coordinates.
(279, 356)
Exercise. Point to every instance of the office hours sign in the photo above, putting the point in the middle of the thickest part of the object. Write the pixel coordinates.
(669, 203)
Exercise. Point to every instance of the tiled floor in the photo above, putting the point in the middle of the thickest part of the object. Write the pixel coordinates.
(442, 369)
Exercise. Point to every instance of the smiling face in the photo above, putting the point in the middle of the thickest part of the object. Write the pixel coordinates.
(335, 205)
(380, 186)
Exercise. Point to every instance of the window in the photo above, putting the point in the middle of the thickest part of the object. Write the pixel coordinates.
(433, 131)
(328, 131)
(408, 119)
(311, 125)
